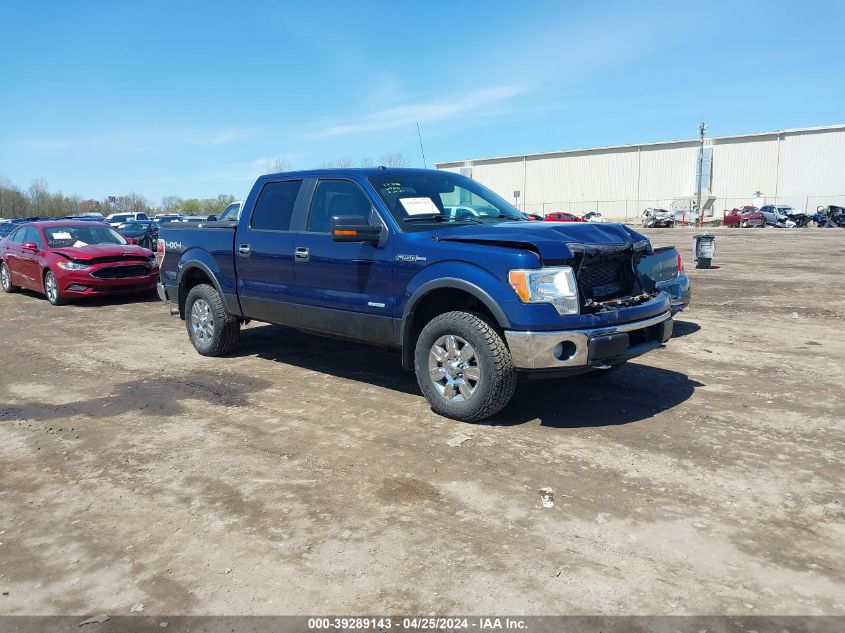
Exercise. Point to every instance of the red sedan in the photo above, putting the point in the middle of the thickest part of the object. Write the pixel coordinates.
(747, 216)
(559, 216)
(65, 259)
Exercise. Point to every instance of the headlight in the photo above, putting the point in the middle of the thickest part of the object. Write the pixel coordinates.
(73, 266)
(547, 285)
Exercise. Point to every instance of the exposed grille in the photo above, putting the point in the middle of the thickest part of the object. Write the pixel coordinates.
(605, 277)
(121, 272)
(116, 258)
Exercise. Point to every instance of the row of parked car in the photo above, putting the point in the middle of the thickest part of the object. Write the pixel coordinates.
(831, 216)
(87, 254)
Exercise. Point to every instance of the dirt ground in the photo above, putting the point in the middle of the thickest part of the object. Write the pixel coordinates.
(305, 475)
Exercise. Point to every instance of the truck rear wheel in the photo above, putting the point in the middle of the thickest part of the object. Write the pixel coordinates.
(464, 367)
(212, 330)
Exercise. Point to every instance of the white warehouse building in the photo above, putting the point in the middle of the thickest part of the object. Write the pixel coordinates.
(803, 168)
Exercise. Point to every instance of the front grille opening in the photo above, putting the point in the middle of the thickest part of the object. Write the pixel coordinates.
(121, 272)
(605, 277)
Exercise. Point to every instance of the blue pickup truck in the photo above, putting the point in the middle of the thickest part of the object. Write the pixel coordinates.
(429, 263)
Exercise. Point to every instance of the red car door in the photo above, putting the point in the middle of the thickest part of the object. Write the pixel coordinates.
(13, 255)
(30, 258)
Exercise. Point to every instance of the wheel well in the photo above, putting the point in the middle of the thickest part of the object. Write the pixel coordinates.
(194, 277)
(432, 304)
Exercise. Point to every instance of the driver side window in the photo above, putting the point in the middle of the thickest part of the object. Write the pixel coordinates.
(33, 235)
(336, 197)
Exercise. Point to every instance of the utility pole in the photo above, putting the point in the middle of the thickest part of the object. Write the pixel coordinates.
(701, 129)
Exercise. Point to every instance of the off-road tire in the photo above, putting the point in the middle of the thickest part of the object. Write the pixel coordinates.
(226, 328)
(7, 279)
(497, 381)
(54, 298)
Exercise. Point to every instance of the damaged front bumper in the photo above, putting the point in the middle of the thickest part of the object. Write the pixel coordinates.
(586, 348)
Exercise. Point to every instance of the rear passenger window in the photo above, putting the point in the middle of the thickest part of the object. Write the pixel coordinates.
(274, 207)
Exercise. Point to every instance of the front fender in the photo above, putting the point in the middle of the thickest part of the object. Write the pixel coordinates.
(477, 281)
(473, 280)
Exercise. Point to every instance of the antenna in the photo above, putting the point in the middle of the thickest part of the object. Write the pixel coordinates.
(422, 151)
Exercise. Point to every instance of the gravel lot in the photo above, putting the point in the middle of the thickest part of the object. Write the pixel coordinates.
(306, 475)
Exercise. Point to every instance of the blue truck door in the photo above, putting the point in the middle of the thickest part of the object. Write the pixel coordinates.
(343, 288)
(264, 254)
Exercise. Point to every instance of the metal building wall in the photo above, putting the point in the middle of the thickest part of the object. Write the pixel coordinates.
(812, 168)
(802, 168)
(743, 166)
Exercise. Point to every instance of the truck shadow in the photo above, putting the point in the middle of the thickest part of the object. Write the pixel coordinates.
(635, 392)
(684, 328)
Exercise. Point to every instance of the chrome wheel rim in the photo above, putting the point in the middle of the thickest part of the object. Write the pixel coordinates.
(52, 288)
(202, 321)
(453, 368)
(4, 277)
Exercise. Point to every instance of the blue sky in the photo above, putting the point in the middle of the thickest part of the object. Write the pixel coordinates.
(192, 99)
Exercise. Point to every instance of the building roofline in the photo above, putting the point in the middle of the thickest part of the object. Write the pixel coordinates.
(798, 130)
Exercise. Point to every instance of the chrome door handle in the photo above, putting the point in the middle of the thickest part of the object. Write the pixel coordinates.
(301, 254)
(245, 250)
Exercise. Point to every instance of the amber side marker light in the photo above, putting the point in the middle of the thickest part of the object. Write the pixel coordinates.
(519, 283)
(345, 232)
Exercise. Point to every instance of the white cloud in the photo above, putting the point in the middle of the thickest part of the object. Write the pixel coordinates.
(425, 112)
(219, 138)
(46, 146)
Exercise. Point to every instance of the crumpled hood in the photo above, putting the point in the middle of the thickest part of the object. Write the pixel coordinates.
(552, 240)
(95, 251)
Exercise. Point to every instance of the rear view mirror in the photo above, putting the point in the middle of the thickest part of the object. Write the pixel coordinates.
(29, 246)
(354, 228)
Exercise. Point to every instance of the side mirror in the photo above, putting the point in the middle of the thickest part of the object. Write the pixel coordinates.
(29, 246)
(132, 241)
(354, 228)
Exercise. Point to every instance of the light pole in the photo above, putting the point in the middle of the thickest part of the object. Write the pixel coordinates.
(701, 129)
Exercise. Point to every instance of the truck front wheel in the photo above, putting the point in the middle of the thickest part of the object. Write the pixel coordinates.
(464, 367)
(213, 331)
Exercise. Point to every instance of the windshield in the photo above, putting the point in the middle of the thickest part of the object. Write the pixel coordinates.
(419, 200)
(134, 226)
(79, 236)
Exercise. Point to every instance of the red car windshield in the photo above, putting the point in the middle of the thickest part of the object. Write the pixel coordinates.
(79, 236)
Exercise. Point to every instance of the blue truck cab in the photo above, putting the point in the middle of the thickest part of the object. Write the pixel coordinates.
(432, 264)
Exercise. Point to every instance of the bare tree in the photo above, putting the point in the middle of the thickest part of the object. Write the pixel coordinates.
(366, 162)
(397, 159)
(135, 203)
(278, 165)
(39, 196)
(13, 201)
(169, 204)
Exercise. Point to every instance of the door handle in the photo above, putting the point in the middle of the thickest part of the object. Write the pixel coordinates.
(244, 250)
(301, 254)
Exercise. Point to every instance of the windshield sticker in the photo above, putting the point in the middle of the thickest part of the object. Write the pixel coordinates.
(419, 206)
(79, 244)
(61, 236)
